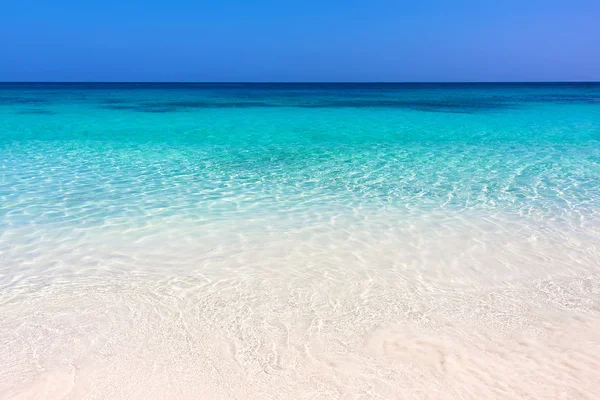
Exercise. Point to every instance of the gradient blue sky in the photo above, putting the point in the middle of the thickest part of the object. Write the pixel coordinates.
(294, 40)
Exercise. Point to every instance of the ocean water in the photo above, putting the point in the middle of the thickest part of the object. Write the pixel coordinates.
(356, 241)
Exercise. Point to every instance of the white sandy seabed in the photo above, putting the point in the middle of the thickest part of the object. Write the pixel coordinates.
(346, 308)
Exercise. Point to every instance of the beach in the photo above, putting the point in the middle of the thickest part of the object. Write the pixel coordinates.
(355, 241)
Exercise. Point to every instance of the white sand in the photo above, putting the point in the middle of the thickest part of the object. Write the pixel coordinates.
(366, 308)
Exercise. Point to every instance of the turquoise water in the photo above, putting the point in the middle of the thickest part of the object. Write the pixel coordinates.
(209, 150)
(327, 211)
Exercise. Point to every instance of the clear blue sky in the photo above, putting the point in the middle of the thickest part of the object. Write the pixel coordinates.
(299, 40)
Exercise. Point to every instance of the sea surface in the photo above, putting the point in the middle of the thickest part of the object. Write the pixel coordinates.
(300, 241)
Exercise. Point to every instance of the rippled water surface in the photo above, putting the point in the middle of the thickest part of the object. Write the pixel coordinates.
(357, 241)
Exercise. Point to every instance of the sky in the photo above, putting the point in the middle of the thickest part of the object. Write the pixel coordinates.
(294, 40)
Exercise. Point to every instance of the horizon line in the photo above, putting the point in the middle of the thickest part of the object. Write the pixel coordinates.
(295, 82)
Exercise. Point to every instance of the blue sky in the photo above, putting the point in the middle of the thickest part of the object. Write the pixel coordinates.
(310, 40)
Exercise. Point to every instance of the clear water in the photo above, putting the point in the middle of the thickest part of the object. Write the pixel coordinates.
(299, 240)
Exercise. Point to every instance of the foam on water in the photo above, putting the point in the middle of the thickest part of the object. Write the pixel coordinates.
(300, 241)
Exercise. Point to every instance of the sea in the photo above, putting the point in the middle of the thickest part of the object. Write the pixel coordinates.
(299, 240)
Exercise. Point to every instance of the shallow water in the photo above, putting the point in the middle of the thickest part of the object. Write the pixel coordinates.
(300, 241)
